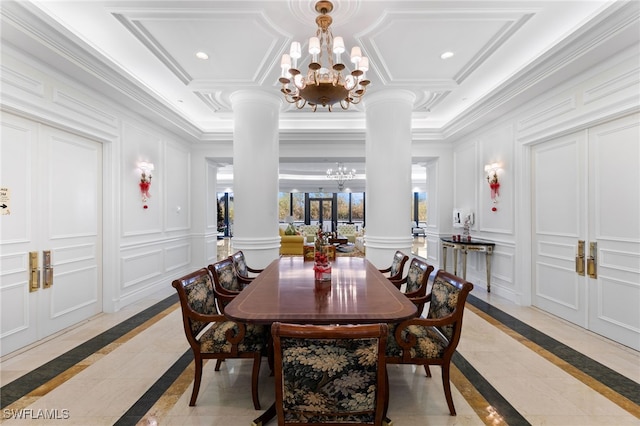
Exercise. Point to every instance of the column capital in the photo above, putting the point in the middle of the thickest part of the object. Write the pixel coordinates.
(389, 95)
(240, 97)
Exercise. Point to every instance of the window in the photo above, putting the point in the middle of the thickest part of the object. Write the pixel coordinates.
(284, 205)
(357, 207)
(419, 207)
(297, 206)
(225, 213)
(343, 207)
(291, 204)
(349, 207)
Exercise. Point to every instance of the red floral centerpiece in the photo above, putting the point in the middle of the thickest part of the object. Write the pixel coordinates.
(322, 267)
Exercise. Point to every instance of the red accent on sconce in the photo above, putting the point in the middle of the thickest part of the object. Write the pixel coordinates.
(495, 189)
(492, 179)
(145, 182)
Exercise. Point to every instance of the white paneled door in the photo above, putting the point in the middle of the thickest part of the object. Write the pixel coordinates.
(586, 229)
(53, 191)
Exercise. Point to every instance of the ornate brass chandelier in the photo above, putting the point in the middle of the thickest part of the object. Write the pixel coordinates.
(325, 82)
(340, 174)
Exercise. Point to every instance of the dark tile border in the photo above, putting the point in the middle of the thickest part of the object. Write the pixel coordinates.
(13, 391)
(155, 392)
(603, 374)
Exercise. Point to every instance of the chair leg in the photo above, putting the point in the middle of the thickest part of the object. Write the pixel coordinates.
(427, 371)
(197, 378)
(386, 392)
(270, 352)
(257, 359)
(446, 383)
(218, 364)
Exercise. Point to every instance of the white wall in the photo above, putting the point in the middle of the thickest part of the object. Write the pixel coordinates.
(597, 95)
(144, 249)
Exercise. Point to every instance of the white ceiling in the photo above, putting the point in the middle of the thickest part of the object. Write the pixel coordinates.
(151, 45)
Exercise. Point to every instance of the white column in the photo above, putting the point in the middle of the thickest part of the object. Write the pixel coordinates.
(255, 176)
(203, 211)
(388, 169)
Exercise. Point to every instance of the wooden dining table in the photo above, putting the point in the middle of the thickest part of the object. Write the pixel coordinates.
(286, 291)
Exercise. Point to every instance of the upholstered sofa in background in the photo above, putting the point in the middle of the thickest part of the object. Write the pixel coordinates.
(309, 232)
(291, 244)
(347, 230)
(360, 245)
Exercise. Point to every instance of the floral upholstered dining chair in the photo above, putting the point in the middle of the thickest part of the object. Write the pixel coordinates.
(433, 340)
(414, 285)
(330, 374)
(225, 277)
(242, 269)
(396, 270)
(211, 335)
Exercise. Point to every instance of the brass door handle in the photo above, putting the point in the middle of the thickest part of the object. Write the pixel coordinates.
(592, 261)
(580, 258)
(34, 272)
(47, 269)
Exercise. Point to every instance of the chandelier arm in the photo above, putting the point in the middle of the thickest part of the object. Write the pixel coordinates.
(344, 104)
(352, 86)
(289, 97)
(299, 82)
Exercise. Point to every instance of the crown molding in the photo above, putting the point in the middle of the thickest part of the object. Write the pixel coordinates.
(616, 20)
(52, 38)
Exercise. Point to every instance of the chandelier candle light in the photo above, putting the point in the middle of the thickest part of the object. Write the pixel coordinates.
(341, 175)
(325, 83)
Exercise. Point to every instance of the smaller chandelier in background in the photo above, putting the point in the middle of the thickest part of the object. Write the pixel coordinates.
(340, 174)
(324, 83)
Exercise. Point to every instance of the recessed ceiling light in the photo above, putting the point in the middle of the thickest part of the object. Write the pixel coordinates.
(202, 55)
(446, 55)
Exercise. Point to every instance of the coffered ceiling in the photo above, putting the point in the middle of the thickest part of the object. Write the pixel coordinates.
(145, 50)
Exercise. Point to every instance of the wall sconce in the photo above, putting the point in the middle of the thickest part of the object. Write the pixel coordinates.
(145, 181)
(492, 178)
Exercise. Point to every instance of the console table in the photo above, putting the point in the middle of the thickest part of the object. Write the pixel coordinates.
(465, 246)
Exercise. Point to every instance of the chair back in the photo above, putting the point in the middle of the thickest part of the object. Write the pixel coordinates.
(330, 374)
(224, 276)
(240, 263)
(418, 277)
(417, 281)
(196, 295)
(397, 265)
(448, 297)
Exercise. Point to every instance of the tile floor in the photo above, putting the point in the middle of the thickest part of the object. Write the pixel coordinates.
(515, 365)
